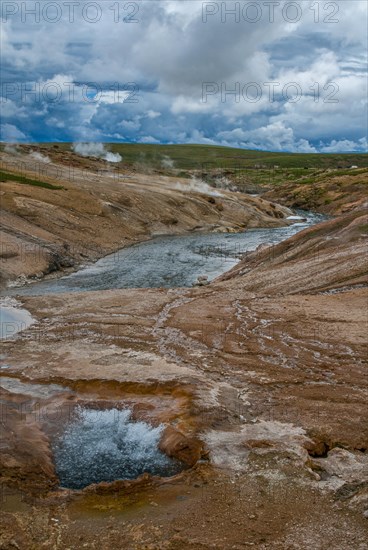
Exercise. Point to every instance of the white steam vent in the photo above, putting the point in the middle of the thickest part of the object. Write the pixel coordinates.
(97, 150)
(198, 186)
(167, 162)
(40, 157)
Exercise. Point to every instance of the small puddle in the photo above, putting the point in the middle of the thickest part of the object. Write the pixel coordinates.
(107, 445)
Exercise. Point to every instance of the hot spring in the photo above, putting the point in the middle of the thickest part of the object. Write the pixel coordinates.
(107, 445)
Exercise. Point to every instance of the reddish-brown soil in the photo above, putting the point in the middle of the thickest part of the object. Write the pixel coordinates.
(260, 377)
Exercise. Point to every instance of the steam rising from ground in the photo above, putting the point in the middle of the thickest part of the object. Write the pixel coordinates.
(105, 445)
(167, 162)
(97, 150)
(198, 186)
(223, 182)
(12, 149)
(40, 157)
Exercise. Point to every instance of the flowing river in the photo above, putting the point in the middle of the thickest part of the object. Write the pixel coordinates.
(170, 261)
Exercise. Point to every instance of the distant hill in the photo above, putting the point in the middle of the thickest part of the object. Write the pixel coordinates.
(209, 157)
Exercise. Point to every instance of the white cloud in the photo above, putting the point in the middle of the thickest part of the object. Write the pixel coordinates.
(9, 132)
(274, 137)
(169, 54)
(148, 139)
(345, 146)
(153, 114)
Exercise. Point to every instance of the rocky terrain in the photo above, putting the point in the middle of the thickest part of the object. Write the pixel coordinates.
(326, 257)
(331, 191)
(93, 209)
(260, 378)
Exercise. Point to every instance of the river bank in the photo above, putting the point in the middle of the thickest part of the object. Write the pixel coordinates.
(55, 219)
(168, 261)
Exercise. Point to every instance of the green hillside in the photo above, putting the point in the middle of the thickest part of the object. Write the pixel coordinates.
(197, 157)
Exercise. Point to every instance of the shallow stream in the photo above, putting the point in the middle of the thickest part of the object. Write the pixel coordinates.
(170, 261)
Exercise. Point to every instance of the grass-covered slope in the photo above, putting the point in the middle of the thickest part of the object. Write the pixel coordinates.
(207, 157)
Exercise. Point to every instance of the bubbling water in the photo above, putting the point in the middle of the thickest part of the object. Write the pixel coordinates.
(106, 445)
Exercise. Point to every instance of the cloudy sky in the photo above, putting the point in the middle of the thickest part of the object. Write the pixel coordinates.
(275, 75)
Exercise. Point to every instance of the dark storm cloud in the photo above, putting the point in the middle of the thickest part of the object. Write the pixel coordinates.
(187, 72)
